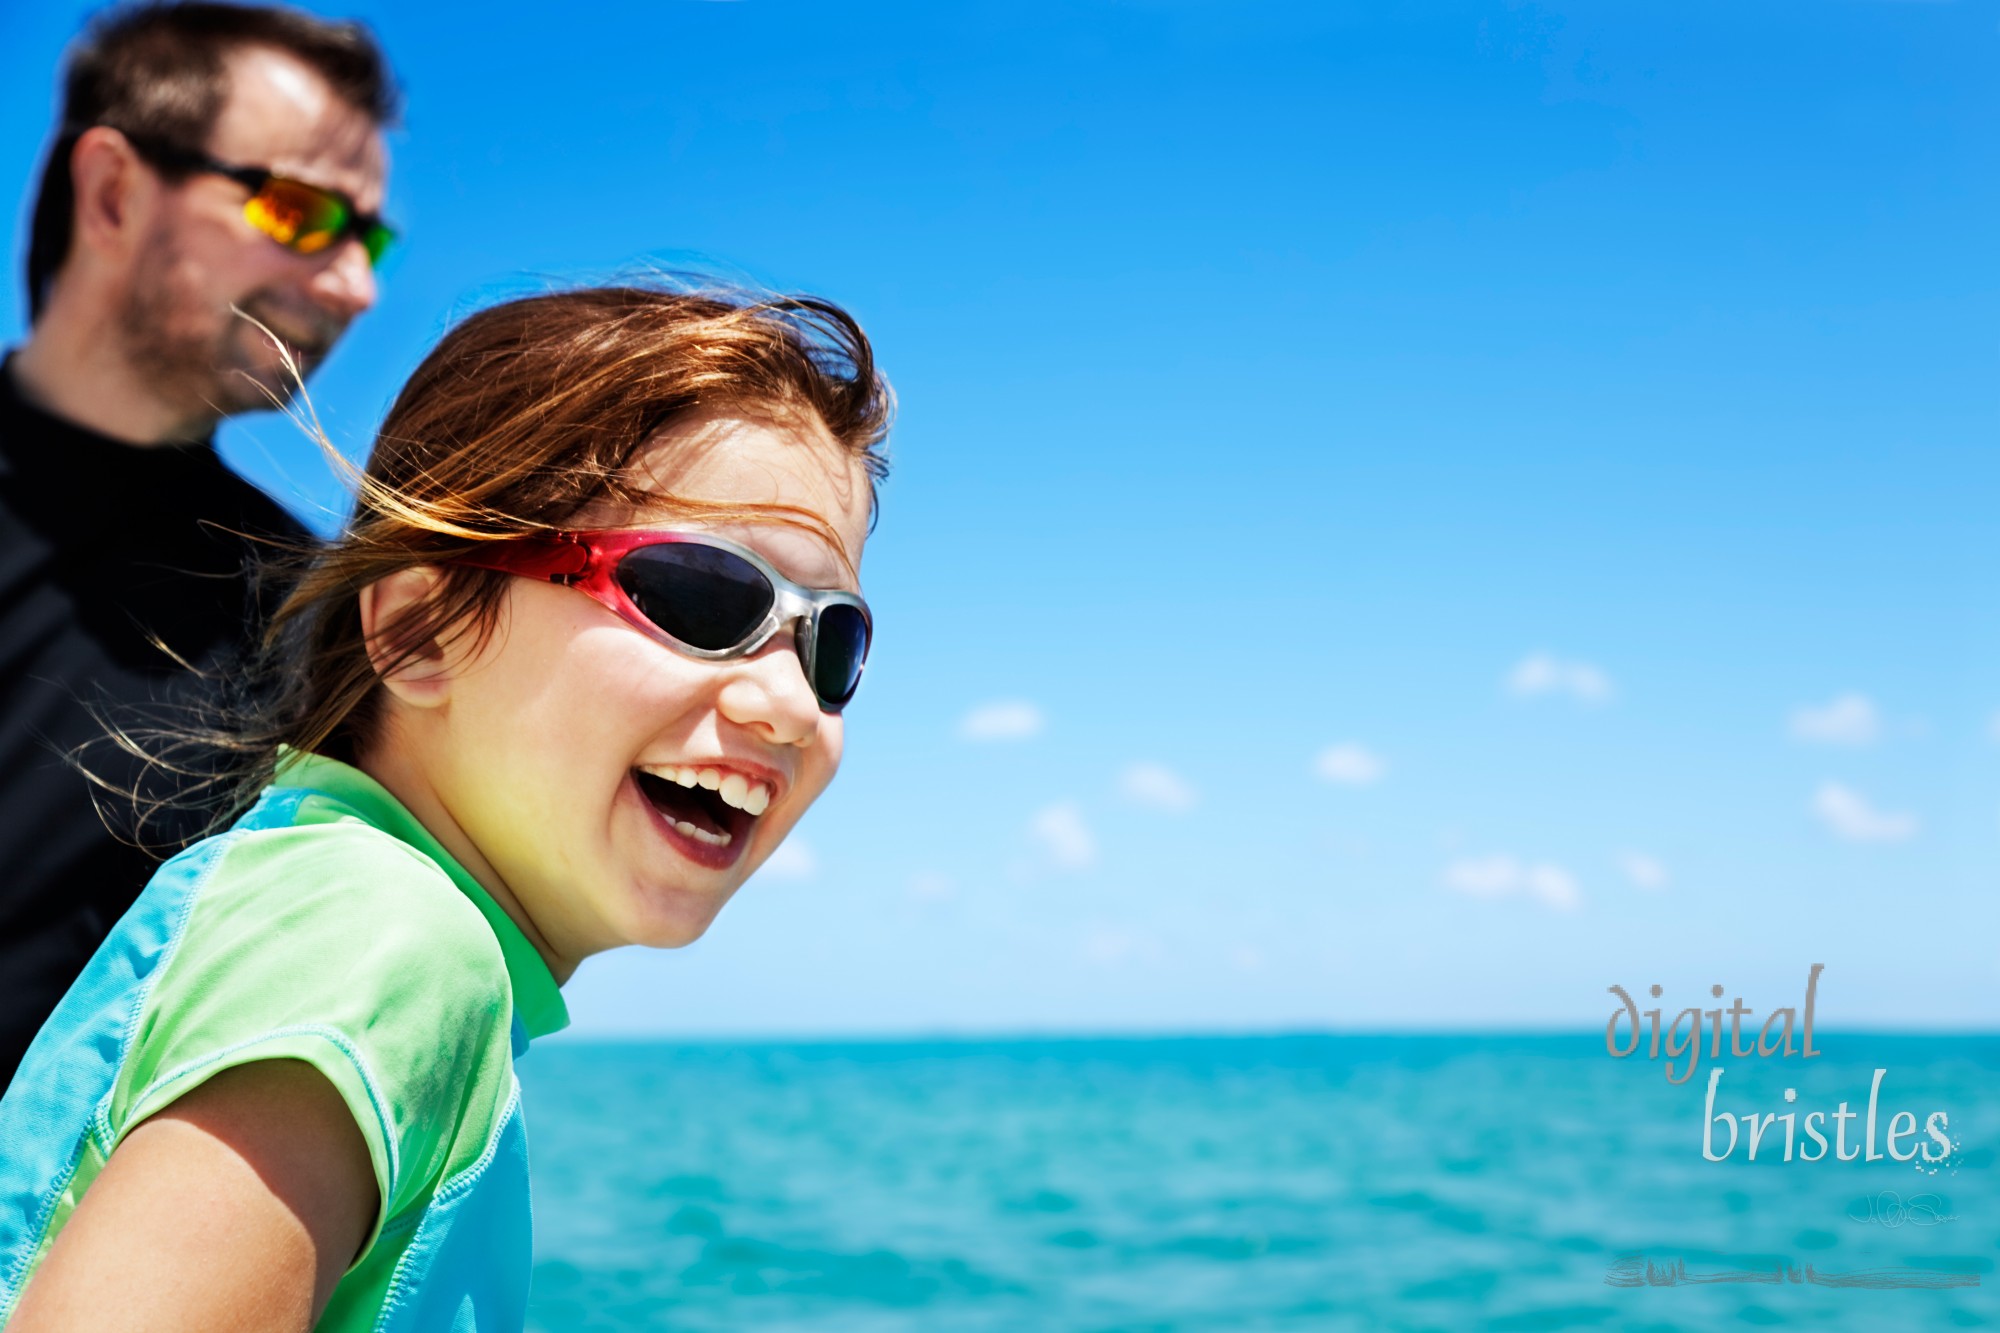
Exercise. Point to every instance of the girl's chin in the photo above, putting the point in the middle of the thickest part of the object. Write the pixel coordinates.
(667, 919)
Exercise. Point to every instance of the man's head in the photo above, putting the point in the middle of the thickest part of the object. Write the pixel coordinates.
(136, 232)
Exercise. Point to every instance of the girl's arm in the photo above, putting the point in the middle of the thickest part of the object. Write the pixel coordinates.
(237, 1207)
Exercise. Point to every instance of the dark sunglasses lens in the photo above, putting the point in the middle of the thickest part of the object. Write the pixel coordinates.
(706, 597)
(839, 649)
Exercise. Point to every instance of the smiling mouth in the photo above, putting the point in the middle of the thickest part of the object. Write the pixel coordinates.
(697, 814)
(306, 338)
(306, 351)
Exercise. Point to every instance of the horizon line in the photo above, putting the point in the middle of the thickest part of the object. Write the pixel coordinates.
(573, 1036)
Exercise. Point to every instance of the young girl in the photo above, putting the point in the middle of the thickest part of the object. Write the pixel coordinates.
(570, 675)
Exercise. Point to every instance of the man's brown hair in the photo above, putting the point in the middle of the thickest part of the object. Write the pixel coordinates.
(159, 72)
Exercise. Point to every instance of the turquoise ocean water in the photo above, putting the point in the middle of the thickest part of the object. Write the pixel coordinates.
(1282, 1183)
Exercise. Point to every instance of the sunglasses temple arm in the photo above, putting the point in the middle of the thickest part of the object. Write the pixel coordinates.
(560, 559)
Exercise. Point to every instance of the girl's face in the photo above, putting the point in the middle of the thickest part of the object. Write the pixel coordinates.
(546, 748)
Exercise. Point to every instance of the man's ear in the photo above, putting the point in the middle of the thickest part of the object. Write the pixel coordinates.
(112, 187)
(415, 671)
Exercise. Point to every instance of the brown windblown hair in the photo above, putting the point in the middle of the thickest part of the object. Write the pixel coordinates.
(524, 414)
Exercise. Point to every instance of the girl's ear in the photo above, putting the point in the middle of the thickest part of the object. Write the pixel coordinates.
(415, 671)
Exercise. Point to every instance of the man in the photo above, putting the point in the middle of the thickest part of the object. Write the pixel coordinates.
(206, 223)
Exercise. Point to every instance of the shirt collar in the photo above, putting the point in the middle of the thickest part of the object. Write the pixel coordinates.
(538, 1002)
(16, 405)
(73, 470)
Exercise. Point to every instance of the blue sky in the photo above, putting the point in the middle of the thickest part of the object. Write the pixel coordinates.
(1432, 510)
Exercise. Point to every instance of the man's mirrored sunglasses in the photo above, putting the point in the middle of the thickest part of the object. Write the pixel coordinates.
(305, 219)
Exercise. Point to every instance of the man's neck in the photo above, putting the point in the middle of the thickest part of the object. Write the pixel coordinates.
(79, 373)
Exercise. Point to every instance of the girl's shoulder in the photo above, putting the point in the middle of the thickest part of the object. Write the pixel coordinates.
(338, 877)
(321, 937)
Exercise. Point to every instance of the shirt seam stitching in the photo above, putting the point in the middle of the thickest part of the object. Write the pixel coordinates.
(393, 1297)
(16, 1277)
(333, 1037)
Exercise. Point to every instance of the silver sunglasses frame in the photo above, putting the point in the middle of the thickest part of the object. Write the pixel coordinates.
(791, 603)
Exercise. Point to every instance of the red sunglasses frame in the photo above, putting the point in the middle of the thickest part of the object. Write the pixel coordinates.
(588, 561)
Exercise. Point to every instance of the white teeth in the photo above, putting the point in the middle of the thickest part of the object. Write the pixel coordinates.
(701, 834)
(668, 773)
(735, 790)
(753, 798)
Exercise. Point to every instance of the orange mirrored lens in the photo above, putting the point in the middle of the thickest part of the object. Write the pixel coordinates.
(296, 216)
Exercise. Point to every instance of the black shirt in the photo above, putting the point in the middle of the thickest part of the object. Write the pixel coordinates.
(103, 545)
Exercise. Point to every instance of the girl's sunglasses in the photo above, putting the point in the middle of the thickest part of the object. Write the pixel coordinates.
(305, 219)
(701, 595)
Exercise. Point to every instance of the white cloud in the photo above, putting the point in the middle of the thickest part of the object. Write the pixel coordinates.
(1544, 673)
(1645, 872)
(1501, 876)
(1849, 719)
(1555, 887)
(792, 860)
(1061, 832)
(930, 887)
(1350, 765)
(1002, 720)
(1849, 815)
(1483, 876)
(1157, 786)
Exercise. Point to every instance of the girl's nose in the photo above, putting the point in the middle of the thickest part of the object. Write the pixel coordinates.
(769, 693)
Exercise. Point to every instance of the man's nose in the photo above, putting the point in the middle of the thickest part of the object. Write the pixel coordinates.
(344, 286)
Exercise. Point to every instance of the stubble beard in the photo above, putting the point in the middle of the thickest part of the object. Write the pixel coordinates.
(204, 359)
